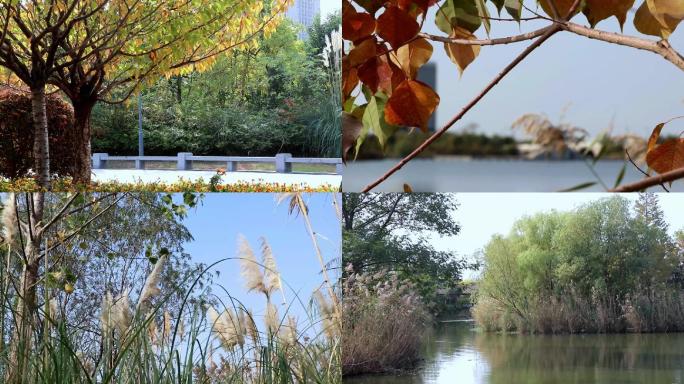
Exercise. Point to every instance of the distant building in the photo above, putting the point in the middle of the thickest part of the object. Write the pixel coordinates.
(428, 75)
(303, 12)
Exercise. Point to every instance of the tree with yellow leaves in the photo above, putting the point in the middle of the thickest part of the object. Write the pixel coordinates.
(89, 49)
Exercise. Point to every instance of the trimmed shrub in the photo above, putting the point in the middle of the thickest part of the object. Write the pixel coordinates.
(16, 134)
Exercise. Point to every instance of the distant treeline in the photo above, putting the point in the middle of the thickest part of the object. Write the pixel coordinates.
(463, 143)
(479, 145)
(608, 266)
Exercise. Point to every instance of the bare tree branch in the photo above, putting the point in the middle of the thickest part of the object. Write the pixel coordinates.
(642, 184)
(555, 29)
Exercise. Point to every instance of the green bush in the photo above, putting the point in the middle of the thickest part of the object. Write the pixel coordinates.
(605, 267)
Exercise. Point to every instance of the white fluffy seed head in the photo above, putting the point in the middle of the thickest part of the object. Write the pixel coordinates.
(271, 319)
(121, 314)
(228, 326)
(249, 267)
(272, 277)
(106, 314)
(151, 288)
(288, 332)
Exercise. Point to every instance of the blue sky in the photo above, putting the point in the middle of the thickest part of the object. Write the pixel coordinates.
(215, 226)
(592, 81)
(482, 215)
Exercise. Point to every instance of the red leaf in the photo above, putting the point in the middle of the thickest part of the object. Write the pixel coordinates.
(350, 78)
(357, 26)
(397, 27)
(376, 73)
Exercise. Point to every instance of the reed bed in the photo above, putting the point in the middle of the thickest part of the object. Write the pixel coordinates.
(142, 340)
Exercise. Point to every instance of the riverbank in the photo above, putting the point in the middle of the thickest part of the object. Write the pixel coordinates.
(458, 352)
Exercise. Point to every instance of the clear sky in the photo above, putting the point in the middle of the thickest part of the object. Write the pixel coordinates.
(215, 226)
(482, 215)
(592, 81)
(330, 6)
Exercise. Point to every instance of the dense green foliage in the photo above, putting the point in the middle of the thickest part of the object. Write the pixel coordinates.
(257, 101)
(604, 267)
(391, 232)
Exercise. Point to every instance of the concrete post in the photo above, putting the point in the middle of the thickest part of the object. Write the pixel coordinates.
(100, 160)
(339, 168)
(231, 166)
(282, 164)
(183, 162)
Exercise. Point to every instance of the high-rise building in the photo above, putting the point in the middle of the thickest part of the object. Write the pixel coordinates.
(428, 75)
(303, 12)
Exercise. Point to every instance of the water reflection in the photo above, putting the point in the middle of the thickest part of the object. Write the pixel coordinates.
(456, 353)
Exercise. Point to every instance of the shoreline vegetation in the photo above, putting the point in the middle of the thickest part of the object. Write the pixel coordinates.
(607, 267)
(473, 145)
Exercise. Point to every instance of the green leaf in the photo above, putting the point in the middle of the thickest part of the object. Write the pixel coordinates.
(349, 105)
(374, 118)
(579, 187)
(189, 199)
(499, 5)
(620, 176)
(460, 13)
(514, 8)
(167, 199)
(483, 13)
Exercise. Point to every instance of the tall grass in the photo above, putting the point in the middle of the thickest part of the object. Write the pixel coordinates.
(326, 124)
(649, 310)
(219, 341)
(383, 322)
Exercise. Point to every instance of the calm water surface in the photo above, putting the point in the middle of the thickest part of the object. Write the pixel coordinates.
(457, 354)
(463, 175)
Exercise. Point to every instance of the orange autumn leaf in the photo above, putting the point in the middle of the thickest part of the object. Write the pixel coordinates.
(562, 6)
(410, 57)
(597, 10)
(655, 135)
(362, 52)
(396, 26)
(666, 156)
(462, 54)
(411, 105)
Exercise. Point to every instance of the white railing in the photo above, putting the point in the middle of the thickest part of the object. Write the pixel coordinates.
(282, 161)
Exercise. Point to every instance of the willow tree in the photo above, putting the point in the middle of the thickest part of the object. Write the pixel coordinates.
(114, 44)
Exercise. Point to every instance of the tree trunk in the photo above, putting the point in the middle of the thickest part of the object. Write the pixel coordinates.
(41, 143)
(82, 149)
(25, 312)
(21, 343)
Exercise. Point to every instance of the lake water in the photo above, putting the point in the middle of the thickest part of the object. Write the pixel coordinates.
(465, 175)
(456, 353)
